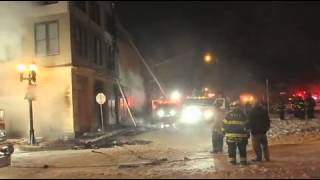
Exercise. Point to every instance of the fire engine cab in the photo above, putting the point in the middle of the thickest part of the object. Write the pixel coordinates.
(165, 112)
(200, 110)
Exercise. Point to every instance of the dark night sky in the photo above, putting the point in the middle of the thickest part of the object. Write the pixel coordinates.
(252, 40)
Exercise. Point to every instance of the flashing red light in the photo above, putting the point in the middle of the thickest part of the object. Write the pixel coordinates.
(154, 107)
(247, 98)
(162, 101)
(130, 101)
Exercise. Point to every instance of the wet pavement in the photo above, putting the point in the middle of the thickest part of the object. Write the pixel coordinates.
(166, 154)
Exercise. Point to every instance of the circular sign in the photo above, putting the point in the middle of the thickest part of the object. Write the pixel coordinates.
(101, 98)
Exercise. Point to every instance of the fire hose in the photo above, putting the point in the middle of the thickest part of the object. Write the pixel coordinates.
(120, 165)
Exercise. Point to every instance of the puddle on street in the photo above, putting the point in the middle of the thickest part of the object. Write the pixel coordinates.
(202, 164)
(204, 161)
(115, 143)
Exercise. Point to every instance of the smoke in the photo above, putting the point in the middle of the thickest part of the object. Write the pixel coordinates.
(52, 107)
(138, 90)
(131, 71)
(12, 19)
(12, 99)
(53, 102)
(13, 15)
(135, 88)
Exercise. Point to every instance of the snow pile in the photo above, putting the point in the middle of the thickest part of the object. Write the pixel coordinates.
(288, 127)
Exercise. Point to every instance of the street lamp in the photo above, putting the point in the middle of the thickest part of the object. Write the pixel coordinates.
(31, 70)
(31, 78)
(208, 58)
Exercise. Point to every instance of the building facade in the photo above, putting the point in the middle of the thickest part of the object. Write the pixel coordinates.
(76, 46)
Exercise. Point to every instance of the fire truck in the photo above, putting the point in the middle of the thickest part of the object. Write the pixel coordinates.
(303, 95)
(200, 109)
(291, 98)
(165, 112)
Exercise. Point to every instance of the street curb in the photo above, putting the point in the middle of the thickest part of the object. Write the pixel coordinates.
(30, 148)
(86, 143)
(105, 136)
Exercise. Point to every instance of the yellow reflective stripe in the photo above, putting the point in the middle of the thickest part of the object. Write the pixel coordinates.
(231, 135)
(234, 122)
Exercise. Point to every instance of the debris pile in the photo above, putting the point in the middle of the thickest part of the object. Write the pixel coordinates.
(288, 127)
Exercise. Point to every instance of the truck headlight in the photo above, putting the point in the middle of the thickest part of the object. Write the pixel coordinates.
(160, 113)
(208, 114)
(191, 115)
(173, 112)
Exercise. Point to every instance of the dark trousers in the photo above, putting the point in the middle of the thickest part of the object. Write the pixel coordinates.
(310, 112)
(217, 142)
(232, 150)
(302, 114)
(281, 113)
(260, 144)
(296, 113)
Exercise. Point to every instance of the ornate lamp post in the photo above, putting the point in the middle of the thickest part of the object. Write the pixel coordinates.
(31, 71)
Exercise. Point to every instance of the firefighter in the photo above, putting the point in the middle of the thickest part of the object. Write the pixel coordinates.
(310, 104)
(217, 134)
(295, 103)
(247, 107)
(236, 133)
(301, 108)
(282, 108)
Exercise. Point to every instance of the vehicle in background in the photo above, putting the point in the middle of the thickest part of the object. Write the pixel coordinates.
(197, 110)
(165, 112)
(291, 99)
(166, 115)
(316, 97)
(247, 101)
(6, 148)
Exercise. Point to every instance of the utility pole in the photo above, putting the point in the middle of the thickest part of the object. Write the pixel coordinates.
(267, 93)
